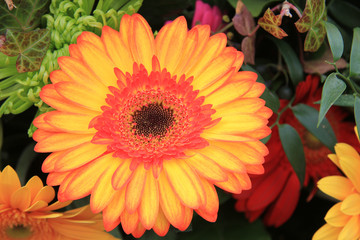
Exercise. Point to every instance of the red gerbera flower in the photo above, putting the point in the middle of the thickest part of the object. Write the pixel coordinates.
(277, 191)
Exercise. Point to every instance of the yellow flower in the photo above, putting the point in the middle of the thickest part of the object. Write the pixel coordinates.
(25, 213)
(343, 219)
(149, 126)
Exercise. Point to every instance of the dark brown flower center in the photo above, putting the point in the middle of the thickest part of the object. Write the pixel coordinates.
(19, 232)
(153, 119)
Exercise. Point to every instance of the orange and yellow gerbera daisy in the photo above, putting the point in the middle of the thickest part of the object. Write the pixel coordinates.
(149, 126)
(25, 213)
(343, 219)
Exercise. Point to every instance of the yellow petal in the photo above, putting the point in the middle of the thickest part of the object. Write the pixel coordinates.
(334, 159)
(122, 174)
(46, 194)
(215, 70)
(69, 122)
(49, 95)
(21, 199)
(238, 124)
(338, 187)
(349, 160)
(102, 192)
(9, 183)
(34, 185)
(116, 50)
(37, 206)
(149, 206)
(142, 41)
(351, 230)
(336, 217)
(172, 34)
(162, 225)
(114, 209)
(99, 62)
(225, 159)
(80, 182)
(230, 91)
(135, 188)
(170, 203)
(207, 168)
(351, 204)
(61, 141)
(81, 95)
(129, 221)
(246, 105)
(212, 49)
(78, 156)
(91, 37)
(78, 72)
(210, 209)
(185, 182)
(327, 232)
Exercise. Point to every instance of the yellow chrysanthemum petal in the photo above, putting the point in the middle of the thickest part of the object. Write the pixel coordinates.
(338, 187)
(349, 160)
(351, 204)
(327, 232)
(335, 217)
(351, 230)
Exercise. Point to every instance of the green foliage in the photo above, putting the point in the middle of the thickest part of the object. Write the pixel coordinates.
(30, 47)
(230, 225)
(308, 117)
(332, 90)
(355, 53)
(357, 113)
(313, 21)
(292, 145)
(335, 40)
(345, 12)
(292, 61)
(254, 6)
(25, 17)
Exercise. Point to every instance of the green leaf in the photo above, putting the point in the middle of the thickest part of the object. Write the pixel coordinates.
(308, 117)
(332, 90)
(355, 53)
(345, 13)
(292, 61)
(254, 6)
(27, 157)
(335, 40)
(357, 113)
(313, 21)
(345, 100)
(30, 47)
(292, 145)
(25, 17)
(271, 99)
